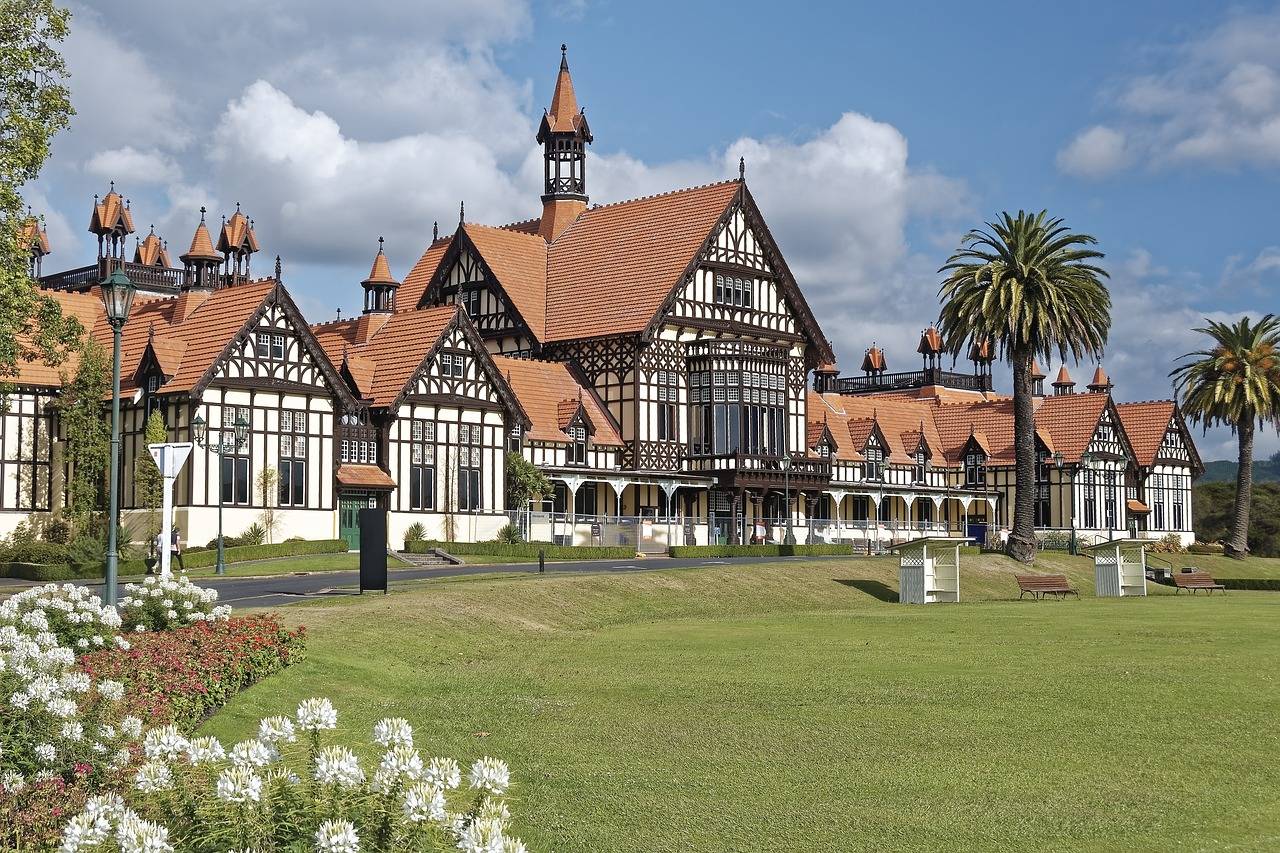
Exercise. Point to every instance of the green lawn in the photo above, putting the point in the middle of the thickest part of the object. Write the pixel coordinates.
(788, 707)
(284, 566)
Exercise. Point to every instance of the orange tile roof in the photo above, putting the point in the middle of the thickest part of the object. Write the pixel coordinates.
(541, 387)
(930, 341)
(85, 307)
(204, 333)
(169, 353)
(110, 211)
(201, 245)
(395, 351)
(1100, 379)
(873, 359)
(1145, 424)
(380, 272)
(519, 261)
(366, 476)
(418, 280)
(1064, 378)
(152, 252)
(564, 116)
(237, 233)
(632, 253)
(31, 235)
(900, 423)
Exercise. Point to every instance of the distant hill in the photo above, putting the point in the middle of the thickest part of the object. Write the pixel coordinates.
(1224, 471)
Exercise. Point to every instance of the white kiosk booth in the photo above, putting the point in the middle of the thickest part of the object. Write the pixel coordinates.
(929, 570)
(1120, 567)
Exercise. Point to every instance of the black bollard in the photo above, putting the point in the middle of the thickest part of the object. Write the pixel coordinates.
(542, 561)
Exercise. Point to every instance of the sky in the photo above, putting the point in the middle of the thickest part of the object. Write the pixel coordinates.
(875, 136)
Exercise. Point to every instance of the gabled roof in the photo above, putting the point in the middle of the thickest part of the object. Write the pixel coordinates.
(110, 213)
(151, 251)
(548, 389)
(519, 262)
(393, 355)
(32, 236)
(237, 234)
(899, 424)
(416, 284)
(930, 342)
(1147, 422)
(85, 307)
(873, 359)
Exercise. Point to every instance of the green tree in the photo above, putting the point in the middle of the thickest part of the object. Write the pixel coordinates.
(1027, 285)
(524, 481)
(34, 105)
(148, 482)
(1235, 383)
(86, 433)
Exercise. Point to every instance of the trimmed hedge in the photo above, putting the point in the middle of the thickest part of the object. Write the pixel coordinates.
(1204, 549)
(244, 553)
(526, 549)
(797, 550)
(37, 571)
(42, 553)
(1266, 584)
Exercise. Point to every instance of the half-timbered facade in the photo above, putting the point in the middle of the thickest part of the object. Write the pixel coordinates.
(655, 357)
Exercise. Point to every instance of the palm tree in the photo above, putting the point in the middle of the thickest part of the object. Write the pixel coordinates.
(1235, 383)
(1026, 286)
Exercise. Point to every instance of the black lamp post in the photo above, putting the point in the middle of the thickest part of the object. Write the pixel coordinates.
(117, 298)
(199, 432)
(785, 464)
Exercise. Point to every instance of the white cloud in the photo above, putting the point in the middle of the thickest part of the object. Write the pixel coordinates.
(1213, 101)
(1095, 153)
(128, 165)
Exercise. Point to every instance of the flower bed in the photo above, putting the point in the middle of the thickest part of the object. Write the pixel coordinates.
(182, 676)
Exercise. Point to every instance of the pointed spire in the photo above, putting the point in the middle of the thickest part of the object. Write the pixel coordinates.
(435, 231)
(277, 269)
(1063, 384)
(742, 170)
(564, 110)
(201, 244)
(1101, 382)
(462, 212)
(380, 273)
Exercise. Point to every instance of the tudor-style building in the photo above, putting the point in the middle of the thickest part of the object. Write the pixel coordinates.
(655, 357)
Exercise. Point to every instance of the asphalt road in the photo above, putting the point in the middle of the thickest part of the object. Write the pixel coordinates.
(281, 590)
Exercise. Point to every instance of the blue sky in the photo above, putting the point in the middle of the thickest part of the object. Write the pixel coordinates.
(875, 135)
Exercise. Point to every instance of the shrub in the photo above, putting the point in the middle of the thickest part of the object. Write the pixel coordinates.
(414, 533)
(527, 550)
(1169, 544)
(254, 534)
(1205, 548)
(200, 558)
(287, 790)
(32, 551)
(37, 571)
(161, 604)
(1265, 584)
(816, 550)
(509, 535)
(181, 676)
(58, 531)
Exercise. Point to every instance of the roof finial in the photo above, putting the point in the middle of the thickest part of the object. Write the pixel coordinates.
(277, 269)
(151, 331)
(237, 207)
(742, 169)
(339, 313)
(380, 242)
(153, 228)
(202, 212)
(113, 187)
(462, 212)
(564, 57)
(435, 231)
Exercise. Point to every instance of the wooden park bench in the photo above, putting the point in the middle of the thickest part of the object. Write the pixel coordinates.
(1041, 585)
(1196, 580)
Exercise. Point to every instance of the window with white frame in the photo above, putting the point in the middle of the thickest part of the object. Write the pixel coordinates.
(975, 468)
(577, 453)
(921, 466)
(292, 480)
(469, 467)
(873, 467)
(667, 391)
(733, 290)
(453, 365)
(235, 463)
(270, 345)
(422, 465)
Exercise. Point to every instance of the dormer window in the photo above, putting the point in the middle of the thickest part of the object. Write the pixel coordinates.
(824, 449)
(975, 468)
(153, 384)
(874, 466)
(577, 454)
(733, 290)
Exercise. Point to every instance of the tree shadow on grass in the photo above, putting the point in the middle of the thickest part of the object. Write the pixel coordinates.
(875, 589)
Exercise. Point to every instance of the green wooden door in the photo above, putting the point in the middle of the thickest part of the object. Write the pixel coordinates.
(349, 506)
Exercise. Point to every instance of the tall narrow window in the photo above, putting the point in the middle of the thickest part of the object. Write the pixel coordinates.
(293, 459)
(1109, 500)
(1177, 509)
(469, 467)
(1090, 501)
(921, 466)
(873, 468)
(667, 392)
(422, 465)
(235, 464)
(577, 454)
(975, 469)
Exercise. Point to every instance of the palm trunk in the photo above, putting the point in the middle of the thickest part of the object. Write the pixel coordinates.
(1022, 540)
(1237, 544)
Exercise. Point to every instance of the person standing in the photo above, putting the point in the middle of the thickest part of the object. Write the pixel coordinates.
(175, 547)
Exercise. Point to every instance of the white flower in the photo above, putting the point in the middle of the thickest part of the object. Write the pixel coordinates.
(73, 730)
(482, 835)
(13, 781)
(84, 831)
(393, 731)
(513, 845)
(399, 764)
(490, 774)
(252, 753)
(424, 802)
(164, 742)
(171, 615)
(131, 726)
(153, 776)
(46, 752)
(239, 785)
(337, 765)
(276, 730)
(444, 772)
(205, 750)
(107, 732)
(61, 707)
(121, 759)
(82, 643)
(110, 806)
(138, 629)
(111, 690)
(317, 714)
(122, 643)
(135, 835)
(337, 836)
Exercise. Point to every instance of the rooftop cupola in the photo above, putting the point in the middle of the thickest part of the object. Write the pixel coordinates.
(33, 237)
(1037, 379)
(380, 286)
(982, 354)
(1064, 384)
(873, 363)
(564, 135)
(151, 251)
(237, 242)
(112, 221)
(931, 348)
(201, 260)
(1101, 382)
